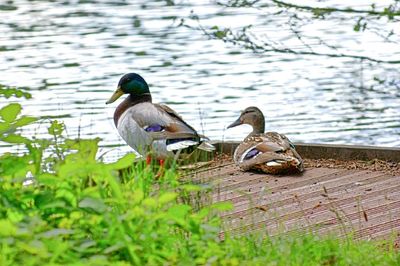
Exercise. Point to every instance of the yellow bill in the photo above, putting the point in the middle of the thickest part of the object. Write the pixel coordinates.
(118, 93)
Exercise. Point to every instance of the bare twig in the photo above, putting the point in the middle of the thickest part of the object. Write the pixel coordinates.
(245, 41)
(325, 10)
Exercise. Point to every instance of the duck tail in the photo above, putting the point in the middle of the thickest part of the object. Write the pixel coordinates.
(206, 146)
(181, 144)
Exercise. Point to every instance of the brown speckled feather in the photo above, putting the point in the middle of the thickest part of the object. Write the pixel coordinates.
(272, 147)
(269, 152)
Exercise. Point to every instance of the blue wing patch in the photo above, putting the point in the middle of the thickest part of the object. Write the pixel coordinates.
(154, 128)
(251, 154)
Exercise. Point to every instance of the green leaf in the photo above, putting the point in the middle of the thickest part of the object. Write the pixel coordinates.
(7, 228)
(92, 203)
(138, 196)
(204, 212)
(135, 212)
(44, 198)
(25, 120)
(4, 126)
(52, 203)
(150, 202)
(8, 92)
(56, 128)
(122, 163)
(11, 165)
(167, 197)
(33, 247)
(220, 34)
(15, 215)
(14, 138)
(67, 195)
(56, 233)
(179, 211)
(87, 148)
(48, 179)
(10, 112)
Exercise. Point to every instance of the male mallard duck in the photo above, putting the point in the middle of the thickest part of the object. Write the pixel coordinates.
(146, 126)
(270, 152)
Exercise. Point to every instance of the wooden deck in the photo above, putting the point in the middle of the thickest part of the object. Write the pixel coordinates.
(363, 203)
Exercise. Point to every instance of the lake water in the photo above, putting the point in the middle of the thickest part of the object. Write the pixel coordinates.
(71, 55)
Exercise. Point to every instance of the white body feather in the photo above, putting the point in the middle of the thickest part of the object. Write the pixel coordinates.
(131, 127)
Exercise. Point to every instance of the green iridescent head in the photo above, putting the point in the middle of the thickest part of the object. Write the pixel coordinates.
(131, 83)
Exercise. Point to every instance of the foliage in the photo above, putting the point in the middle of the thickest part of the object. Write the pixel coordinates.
(59, 205)
(10, 117)
(7, 92)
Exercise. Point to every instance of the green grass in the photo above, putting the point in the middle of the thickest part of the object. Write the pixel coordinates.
(81, 211)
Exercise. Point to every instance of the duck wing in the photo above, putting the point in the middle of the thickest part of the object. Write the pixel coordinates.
(176, 123)
(257, 144)
(156, 124)
(156, 118)
(268, 152)
(277, 138)
(178, 132)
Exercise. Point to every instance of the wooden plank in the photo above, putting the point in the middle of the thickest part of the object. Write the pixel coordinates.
(323, 200)
(287, 194)
(308, 203)
(211, 173)
(297, 213)
(249, 179)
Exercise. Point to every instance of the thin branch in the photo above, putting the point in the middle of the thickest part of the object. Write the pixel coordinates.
(248, 42)
(244, 40)
(297, 34)
(239, 3)
(342, 10)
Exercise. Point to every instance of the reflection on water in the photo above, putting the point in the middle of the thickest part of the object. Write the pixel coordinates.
(72, 54)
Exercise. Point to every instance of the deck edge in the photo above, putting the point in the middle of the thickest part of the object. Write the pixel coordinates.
(331, 151)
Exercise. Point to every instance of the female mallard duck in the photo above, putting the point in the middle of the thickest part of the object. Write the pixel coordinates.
(270, 152)
(149, 127)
